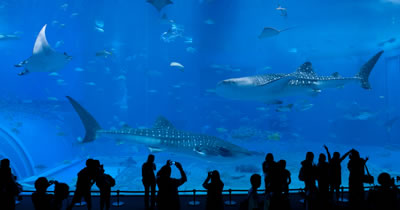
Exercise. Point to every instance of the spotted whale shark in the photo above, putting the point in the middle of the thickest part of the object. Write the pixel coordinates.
(270, 88)
(163, 136)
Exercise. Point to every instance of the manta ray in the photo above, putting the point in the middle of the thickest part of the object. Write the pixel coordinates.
(159, 4)
(270, 32)
(163, 136)
(44, 58)
(270, 88)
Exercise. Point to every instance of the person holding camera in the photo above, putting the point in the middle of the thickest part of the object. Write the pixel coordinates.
(385, 195)
(214, 191)
(40, 199)
(168, 197)
(104, 182)
(356, 167)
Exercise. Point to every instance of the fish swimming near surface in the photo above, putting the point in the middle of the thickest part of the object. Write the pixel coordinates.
(44, 58)
(270, 88)
(159, 4)
(163, 136)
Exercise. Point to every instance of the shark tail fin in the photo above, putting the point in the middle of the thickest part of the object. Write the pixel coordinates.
(90, 124)
(366, 69)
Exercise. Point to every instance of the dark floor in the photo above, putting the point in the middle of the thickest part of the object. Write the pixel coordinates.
(136, 202)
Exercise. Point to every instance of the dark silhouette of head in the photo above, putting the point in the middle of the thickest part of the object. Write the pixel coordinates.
(282, 164)
(61, 191)
(255, 181)
(385, 180)
(89, 162)
(310, 156)
(5, 163)
(354, 155)
(322, 158)
(269, 157)
(165, 172)
(215, 177)
(336, 155)
(150, 158)
(41, 184)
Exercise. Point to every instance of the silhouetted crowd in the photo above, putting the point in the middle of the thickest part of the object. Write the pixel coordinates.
(322, 185)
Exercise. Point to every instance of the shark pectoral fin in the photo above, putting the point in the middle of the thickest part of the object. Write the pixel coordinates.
(155, 149)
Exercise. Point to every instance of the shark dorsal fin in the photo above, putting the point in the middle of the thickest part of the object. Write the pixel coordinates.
(41, 44)
(306, 68)
(163, 123)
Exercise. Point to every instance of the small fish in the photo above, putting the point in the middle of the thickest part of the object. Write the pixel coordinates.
(188, 40)
(52, 98)
(54, 74)
(286, 108)
(261, 109)
(99, 23)
(178, 65)
(90, 83)
(176, 86)
(274, 136)
(121, 77)
(59, 43)
(99, 29)
(79, 69)
(74, 14)
(222, 130)
(40, 167)
(152, 91)
(209, 22)
(103, 53)
(190, 50)
(282, 10)
(381, 97)
(64, 6)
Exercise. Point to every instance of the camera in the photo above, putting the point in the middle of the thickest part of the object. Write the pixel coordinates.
(171, 162)
(398, 178)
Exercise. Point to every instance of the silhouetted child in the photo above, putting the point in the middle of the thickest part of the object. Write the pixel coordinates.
(335, 171)
(280, 181)
(41, 200)
(253, 199)
(104, 182)
(149, 181)
(214, 191)
(61, 194)
(86, 178)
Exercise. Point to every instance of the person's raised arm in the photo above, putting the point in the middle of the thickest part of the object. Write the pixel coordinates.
(183, 178)
(327, 152)
(344, 156)
(205, 183)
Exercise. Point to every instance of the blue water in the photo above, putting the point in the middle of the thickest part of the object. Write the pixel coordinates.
(214, 40)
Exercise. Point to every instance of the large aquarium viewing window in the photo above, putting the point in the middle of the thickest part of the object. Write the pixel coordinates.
(212, 84)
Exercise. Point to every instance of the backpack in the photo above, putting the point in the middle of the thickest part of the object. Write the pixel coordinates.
(302, 174)
(110, 181)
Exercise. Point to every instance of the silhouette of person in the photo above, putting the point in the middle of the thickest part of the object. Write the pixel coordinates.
(40, 199)
(168, 197)
(9, 188)
(268, 167)
(335, 171)
(385, 195)
(149, 181)
(253, 199)
(104, 182)
(323, 180)
(61, 193)
(214, 191)
(86, 178)
(356, 186)
(308, 176)
(280, 180)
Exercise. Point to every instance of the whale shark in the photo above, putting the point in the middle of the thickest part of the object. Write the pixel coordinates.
(270, 88)
(44, 58)
(163, 136)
